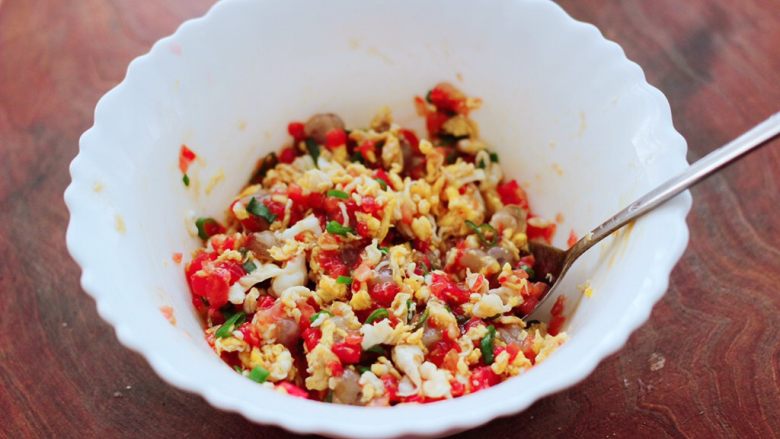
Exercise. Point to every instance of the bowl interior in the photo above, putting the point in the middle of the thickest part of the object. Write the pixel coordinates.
(570, 117)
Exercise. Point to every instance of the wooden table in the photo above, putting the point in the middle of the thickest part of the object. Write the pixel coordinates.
(707, 364)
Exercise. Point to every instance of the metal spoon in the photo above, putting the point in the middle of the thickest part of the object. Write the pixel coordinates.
(552, 263)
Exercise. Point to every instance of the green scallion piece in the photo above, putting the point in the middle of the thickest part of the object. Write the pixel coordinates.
(259, 374)
(317, 315)
(344, 280)
(335, 228)
(378, 314)
(494, 157)
(529, 270)
(480, 231)
(230, 324)
(363, 369)
(377, 349)
(384, 250)
(381, 183)
(186, 180)
(249, 266)
(314, 150)
(487, 344)
(410, 306)
(338, 194)
(257, 208)
(422, 320)
(238, 369)
(202, 224)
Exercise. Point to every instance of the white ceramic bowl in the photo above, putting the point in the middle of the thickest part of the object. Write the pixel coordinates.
(570, 116)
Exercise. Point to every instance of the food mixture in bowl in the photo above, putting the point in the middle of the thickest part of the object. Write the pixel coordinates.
(368, 266)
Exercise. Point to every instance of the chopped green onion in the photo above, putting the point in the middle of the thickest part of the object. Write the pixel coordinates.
(257, 208)
(335, 228)
(259, 374)
(344, 280)
(249, 266)
(529, 270)
(480, 231)
(378, 314)
(314, 150)
(381, 183)
(186, 180)
(338, 194)
(410, 306)
(363, 369)
(487, 344)
(317, 315)
(481, 164)
(357, 157)
(243, 251)
(201, 224)
(384, 250)
(227, 328)
(423, 318)
(377, 349)
(238, 369)
(494, 157)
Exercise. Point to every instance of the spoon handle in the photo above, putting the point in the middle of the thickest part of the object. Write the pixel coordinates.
(757, 136)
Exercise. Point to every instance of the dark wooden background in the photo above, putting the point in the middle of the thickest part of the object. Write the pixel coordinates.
(707, 364)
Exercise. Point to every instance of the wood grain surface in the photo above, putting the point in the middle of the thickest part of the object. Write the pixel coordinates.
(707, 364)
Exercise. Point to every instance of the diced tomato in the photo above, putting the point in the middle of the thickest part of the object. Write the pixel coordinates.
(446, 97)
(440, 349)
(382, 175)
(221, 243)
(527, 347)
(411, 137)
(528, 305)
(292, 389)
(369, 205)
(295, 193)
(311, 336)
(362, 230)
(297, 130)
(332, 265)
(545, 233)
(197, 264)
(572, 239)
(434, 121)
(557, 320)
(384, 293)
(482, 378)
(306, 312)
(513, 350)
(367, 149)
(511, 193)
(447, 290)
(335, 138)
(249, 334)
(348, 353)
(287, 155)
(528, 260)
(336, 369)
(391, 387)
(213, 286)
(457, 388)
(186, 157)
(472, 323)
(266, 302)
